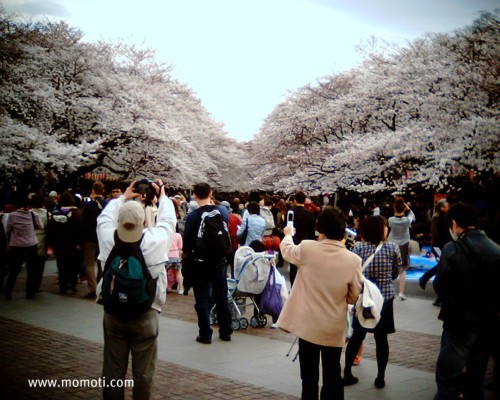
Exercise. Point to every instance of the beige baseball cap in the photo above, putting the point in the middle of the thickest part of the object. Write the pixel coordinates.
(131, 218)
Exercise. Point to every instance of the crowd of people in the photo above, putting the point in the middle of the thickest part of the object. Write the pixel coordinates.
(79, 231)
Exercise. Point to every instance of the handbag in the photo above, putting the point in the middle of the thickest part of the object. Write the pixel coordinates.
(243, 237)
(370, 301)
(271, 302)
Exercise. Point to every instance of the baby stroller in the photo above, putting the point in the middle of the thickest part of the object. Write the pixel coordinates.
(251, 271)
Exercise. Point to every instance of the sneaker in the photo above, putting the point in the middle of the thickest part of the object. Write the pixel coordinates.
(357, 360)
(401, 296)
(180, 291)
(202, 340)
(274, 326)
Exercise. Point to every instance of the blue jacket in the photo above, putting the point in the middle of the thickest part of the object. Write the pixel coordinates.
(256, 227)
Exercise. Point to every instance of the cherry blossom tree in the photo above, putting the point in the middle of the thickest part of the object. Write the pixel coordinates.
(77, 107)
(411, 117)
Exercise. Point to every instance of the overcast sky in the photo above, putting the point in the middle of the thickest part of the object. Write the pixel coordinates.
(242, 56)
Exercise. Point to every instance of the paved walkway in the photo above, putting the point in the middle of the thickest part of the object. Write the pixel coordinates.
(60, 337)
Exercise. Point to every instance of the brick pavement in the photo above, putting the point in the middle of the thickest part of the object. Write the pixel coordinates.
(35, 353)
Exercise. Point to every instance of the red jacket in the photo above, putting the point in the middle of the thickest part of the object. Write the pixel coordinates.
(234, 222)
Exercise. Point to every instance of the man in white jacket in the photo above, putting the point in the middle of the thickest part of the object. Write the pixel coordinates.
(137, 335)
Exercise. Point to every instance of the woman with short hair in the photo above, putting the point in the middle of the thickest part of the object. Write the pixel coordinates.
(328, 279)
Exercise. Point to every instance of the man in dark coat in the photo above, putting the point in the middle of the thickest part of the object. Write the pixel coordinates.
(466, 282)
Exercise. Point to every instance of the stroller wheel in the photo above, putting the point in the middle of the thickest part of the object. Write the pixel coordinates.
(254, 322)
(243, 323)
(235, 324)
(262, 320)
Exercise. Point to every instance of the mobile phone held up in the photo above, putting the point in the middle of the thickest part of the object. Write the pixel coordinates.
(350, 238)
(289, 220)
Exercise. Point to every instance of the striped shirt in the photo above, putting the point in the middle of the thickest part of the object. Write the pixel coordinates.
(384, 267)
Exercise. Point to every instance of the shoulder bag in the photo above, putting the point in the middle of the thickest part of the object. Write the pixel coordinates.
(370, 301)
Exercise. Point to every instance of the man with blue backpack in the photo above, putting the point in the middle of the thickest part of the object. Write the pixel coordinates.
(133, 287)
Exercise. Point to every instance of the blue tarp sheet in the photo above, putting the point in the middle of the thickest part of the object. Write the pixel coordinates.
(420, 264)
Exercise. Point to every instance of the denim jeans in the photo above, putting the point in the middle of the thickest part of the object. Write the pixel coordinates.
(210, 286)
(459, 351)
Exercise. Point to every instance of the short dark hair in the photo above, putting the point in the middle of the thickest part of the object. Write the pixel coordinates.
(257, 246)
(98, 188)
(202, 190)
(235, 207)
(253, 208)
(254, 196)
(331, 222)
(37, 201)
(300, 197)
(24, 201)
(373, 229)
(463, 214)
(66, 200)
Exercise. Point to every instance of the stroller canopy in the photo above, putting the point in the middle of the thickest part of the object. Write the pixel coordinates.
(251, 270)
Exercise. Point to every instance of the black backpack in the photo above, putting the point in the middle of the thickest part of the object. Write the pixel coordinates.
(213, 239)
(62, 229)
(128, 289)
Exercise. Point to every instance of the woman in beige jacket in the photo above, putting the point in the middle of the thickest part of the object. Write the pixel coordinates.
(328, 279)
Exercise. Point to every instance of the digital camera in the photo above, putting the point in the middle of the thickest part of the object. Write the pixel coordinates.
(145, 187)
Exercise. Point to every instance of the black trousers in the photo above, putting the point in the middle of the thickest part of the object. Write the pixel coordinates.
(210, 286)
(17, 256)
(38, 271)
(293, 273)
(309, 357)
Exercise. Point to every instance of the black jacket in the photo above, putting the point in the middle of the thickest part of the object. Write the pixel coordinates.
(305, 225)
(91, 211)
(467, 283)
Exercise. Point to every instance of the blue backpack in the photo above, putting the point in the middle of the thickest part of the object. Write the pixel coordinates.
(128, 289)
